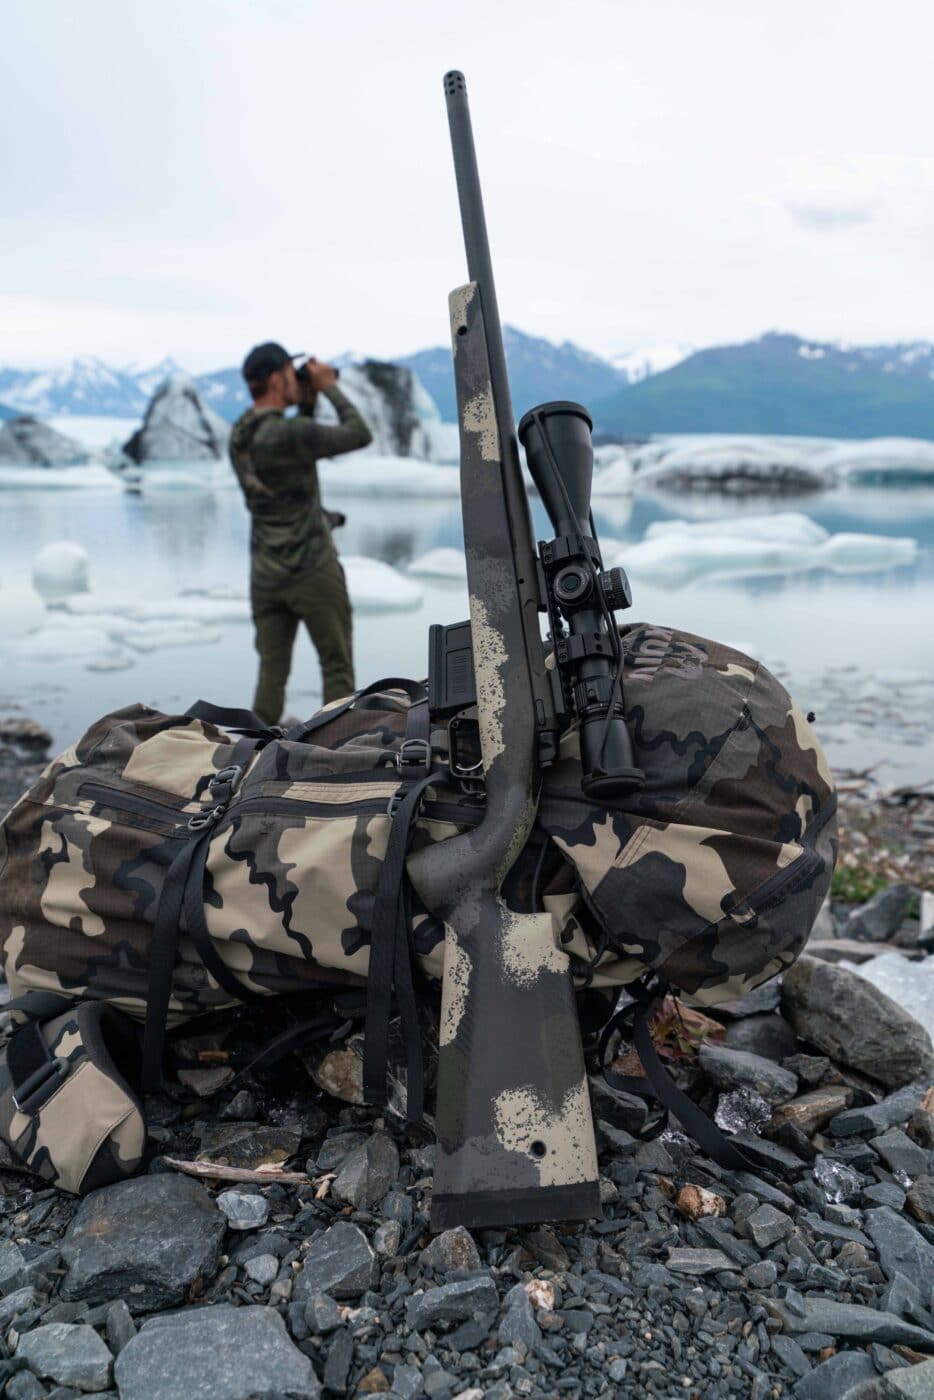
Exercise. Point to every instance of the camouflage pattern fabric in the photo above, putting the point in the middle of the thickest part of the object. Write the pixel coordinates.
(90, 1131)
(711, 875)
(714, 872)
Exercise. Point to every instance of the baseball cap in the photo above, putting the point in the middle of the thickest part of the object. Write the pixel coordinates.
(266, 359)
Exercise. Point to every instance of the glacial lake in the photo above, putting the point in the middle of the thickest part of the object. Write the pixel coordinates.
(856, 647)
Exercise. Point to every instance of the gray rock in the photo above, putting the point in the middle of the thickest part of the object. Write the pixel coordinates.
(145, 1240)
(762, 1275)
(517, 1326)
(213, 1353)
(912, 1383)
(883, 1193)
(242, 1107)
(876, 1117)
(790, 1355)
(69, 1353)
(811, 1070)
(768, 1035)
(21, 1300)
(248, 1145)
(368, 1172)
(262, 1269)
(902, 1249)
(322, 1314)
(452, 1302)
(340, 1359)
(245, 1210)
(452, 1249)
(698, 1261)
(339, 1262)
(767, 1226)
(387, 1238)
(762, 998)
(406, 1382)
(11, 1266)
(334, 1151)
(835, 1378)
(25, 1386)
(120, 1326)
(899, 1153)
(921, 1200)
(851, 1320)
(881, 916)
(901, 1297)
(853, 1022)
(737, 1069)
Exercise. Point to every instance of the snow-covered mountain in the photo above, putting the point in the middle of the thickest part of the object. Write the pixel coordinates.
(87, 385)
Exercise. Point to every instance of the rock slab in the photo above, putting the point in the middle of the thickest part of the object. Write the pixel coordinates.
(339, 1262)
(145, 1240)
(853, 1022)
(71, 1354)
(215, 1353)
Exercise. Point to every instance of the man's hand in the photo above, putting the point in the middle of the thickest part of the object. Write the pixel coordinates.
(322, 376)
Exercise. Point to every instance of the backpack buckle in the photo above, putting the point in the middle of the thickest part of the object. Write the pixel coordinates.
(50, 1074)
(225, 782)
(406, 758)
(201, 820)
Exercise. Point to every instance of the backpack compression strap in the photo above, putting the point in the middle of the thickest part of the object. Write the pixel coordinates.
(695, 1122)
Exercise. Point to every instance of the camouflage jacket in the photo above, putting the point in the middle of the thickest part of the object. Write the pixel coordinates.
(275, 459)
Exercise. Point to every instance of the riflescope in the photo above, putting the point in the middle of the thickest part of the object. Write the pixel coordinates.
(581, 596)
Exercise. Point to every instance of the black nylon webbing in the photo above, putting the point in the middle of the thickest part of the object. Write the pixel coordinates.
(164, 942)
(229, 718)
(26, 1052)
(390, 967)
(693, 1119)
(414, 689)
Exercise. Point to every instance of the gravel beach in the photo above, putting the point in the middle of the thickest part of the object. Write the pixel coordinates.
(278, 1242)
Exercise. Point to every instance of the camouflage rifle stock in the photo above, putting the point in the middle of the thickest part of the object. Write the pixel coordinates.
(515, 1132)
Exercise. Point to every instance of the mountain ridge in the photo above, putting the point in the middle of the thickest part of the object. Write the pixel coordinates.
(777, 383)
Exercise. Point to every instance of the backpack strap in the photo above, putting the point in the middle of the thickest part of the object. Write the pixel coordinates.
(695, 1122)
(226, 717)
(390, 969)
(416, 691)
(185, 874)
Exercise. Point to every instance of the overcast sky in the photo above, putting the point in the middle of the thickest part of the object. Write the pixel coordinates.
(187, 178)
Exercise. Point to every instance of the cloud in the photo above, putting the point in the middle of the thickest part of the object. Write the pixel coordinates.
(829, 218)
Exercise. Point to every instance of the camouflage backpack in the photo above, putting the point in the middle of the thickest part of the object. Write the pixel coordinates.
(168, 865)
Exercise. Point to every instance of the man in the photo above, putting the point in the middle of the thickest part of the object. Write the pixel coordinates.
(295, 573)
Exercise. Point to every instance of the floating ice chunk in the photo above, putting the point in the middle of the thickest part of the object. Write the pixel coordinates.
(784, 527)
(733, 464)
(154, 636)
(741, 1109)
(375, 477)
(375, 587)
(444, 563)
(90, 478)
(909, 984)
(71, 643)
(59, 570)
(196, 607)
(837, 1181)
(675, 552)
(881, 461)
(846, 553)
(614, 479)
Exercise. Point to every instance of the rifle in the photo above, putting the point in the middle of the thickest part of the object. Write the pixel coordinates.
(514, 1124)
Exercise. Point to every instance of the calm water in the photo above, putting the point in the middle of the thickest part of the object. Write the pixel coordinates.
(857, 648)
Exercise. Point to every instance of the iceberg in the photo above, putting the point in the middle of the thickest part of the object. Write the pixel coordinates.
(178, 427)
(881, 461)
(193, 607)
(59, 570)
(360, 474)
(443, 563)
(375, 587)
(615, 478)
(28, 442)
(735, 465)
(676, 552)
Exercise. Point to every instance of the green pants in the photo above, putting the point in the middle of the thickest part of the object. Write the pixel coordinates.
(319, 599)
